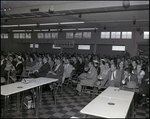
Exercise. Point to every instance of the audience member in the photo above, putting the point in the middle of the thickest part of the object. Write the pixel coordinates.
(58, 70)
(128, 76)
(139, 73)
(89, 78)
(113, 76)
(43, 69)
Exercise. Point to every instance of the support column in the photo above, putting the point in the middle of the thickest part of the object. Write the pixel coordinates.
(95, 47)
(61, 50)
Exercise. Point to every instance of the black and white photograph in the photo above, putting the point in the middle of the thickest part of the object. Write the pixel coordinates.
(75, 59)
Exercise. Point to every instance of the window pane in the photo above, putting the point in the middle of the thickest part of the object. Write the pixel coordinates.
(54, 35)
(69, 35)
(105, 34)
(47, 35)
(146, 34)
(28, 35)
(84, 47)
(22, 35)
(115, 35)
(4, 35)
(40, 35)
(126, 35)
(16, 35)
(36, 45)
(86, 34)
(78, 35)
(118, 48)
(31, 45)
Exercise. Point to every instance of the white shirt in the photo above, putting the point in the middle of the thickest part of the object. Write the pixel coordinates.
(57, 67)
(66, 65)
(113, 73)
(123, 81)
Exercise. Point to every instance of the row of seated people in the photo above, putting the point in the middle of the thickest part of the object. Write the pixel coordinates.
(88, 68)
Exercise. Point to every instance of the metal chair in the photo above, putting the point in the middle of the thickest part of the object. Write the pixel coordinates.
(68, 80)
(96, 89)
(3, 80)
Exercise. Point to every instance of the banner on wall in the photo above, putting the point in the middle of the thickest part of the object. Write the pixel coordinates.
(64, 43)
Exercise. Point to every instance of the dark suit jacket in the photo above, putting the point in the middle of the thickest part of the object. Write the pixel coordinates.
(60, 70)
(80, 68)
(43, 70)
(117, 81)
(76, 66)
(19, 69)
(59, 73)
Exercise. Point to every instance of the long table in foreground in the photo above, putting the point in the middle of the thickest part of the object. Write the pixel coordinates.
(9, 89)
(111, 103)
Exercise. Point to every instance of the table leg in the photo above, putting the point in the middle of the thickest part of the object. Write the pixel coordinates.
(22, 99)
(18, 102)
(6, 106)
(133, 108)
(40, 93)
(37, 102)
(54, 93)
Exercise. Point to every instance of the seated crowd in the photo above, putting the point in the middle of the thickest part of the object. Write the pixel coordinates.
(114, 71)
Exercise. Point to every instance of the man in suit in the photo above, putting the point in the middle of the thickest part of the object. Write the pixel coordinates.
(58, 70)
(113, 76)
(43, 69)
(89, 78)
(128, 76)
(67, 69)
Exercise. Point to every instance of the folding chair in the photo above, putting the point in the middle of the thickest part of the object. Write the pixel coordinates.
(95, 89)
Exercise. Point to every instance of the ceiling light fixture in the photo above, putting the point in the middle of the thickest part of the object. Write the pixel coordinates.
(5, 9)
(81, 22)
(36, 30)
(9, 25)
(87, 28)
(80, 15)
(29, 30)
(18, 30)
(126, 4)
(104, 27)
(48, 24)
(45, 30)
(9, 8)
(68, 29)
(134, 21)
(53, 30)
(27, 25)
(51, 9)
